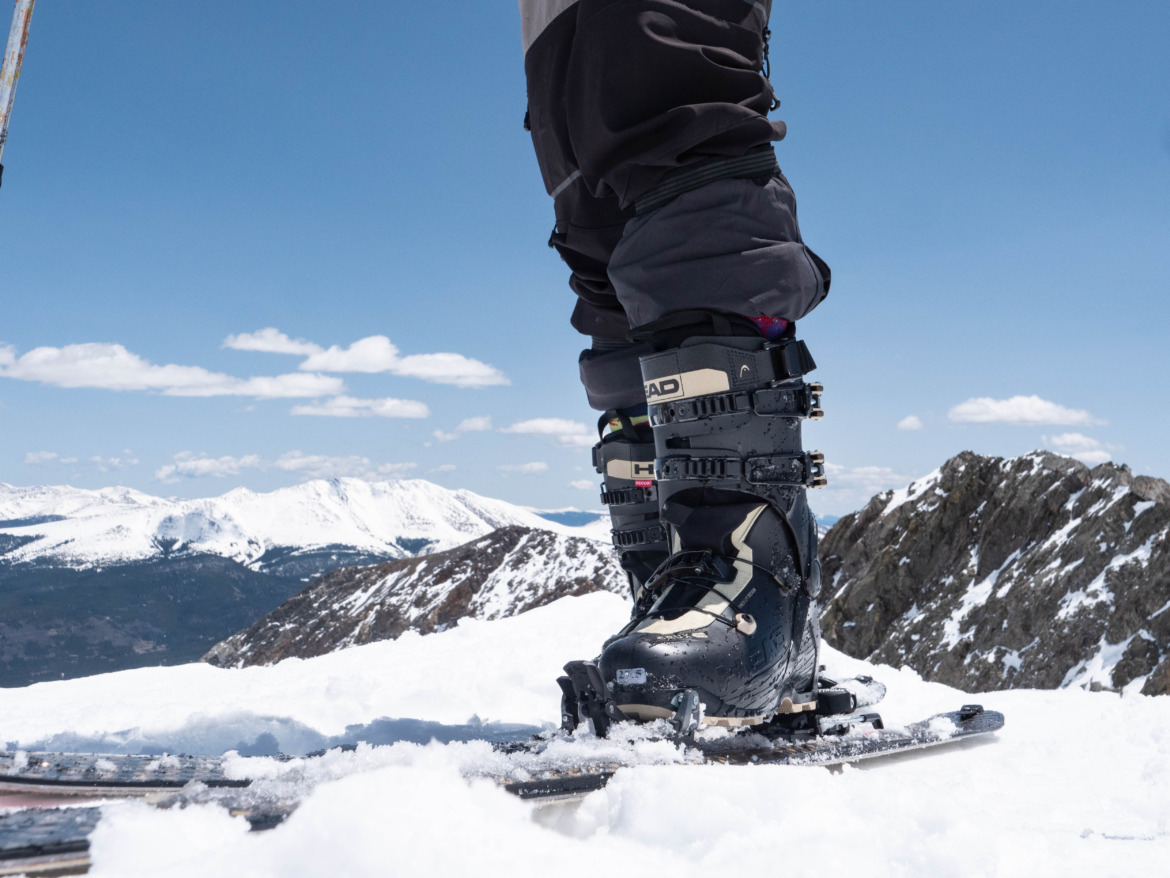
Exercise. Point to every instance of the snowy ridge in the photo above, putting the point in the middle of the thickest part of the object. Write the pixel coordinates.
(995, 573)
(393, 519)
(507, 572)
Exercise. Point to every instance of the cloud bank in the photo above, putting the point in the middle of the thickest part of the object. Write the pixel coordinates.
(112, 367)
(188, 465)
(1084, 448)
(563, 432)
(373, 354)
(1019, 410)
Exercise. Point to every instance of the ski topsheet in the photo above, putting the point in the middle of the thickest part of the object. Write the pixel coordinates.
(54, 840)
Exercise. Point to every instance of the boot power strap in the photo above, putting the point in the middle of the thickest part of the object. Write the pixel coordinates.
(801, 402)
(777, 469)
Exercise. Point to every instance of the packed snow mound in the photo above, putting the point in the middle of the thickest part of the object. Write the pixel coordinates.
(392, 519)
(1073, 785)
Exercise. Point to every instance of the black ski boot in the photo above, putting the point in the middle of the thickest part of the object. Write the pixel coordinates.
(731, 614)
(625, 458)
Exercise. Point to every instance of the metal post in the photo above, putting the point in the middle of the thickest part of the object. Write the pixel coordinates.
(10, 73)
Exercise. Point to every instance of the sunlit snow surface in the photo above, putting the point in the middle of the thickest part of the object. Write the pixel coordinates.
(1074, 785)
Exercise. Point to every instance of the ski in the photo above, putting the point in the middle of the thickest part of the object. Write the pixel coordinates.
(857, 738)
(53, 840)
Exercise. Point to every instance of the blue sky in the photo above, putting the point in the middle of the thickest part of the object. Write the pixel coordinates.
(989, 182)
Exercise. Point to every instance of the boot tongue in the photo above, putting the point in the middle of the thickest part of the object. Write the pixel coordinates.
(721, 530)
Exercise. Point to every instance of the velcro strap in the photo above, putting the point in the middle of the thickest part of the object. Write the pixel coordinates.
(801, 402)
(775, 469)
(627, 496)
(625, 539)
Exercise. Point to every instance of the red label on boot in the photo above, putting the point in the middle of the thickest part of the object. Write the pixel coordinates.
(644, 483)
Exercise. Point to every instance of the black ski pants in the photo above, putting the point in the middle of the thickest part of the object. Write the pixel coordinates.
(649, 119)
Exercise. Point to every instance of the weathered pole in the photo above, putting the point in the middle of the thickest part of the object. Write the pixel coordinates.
(10, 73)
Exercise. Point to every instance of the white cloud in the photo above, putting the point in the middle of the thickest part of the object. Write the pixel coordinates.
(349, 407)
(308, 466)
(584, 485)
(472, 425)
(373, 354)
(449, 369)
(445, 468)
(319, 466)
(378, 354)
(270, 341)
(566, 433)
(467, 425)
(192, 466)
(1084, 448)
(36, 458)
(1019, 410)
(910, 422)
(292, 386)
(103, 464)
(851, 487)
(870, 478)
(112, 367)
(525, 469)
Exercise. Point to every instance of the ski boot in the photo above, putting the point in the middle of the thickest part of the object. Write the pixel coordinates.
(731, 614)
(625, 459)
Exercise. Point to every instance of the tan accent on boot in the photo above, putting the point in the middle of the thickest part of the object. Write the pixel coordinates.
(788, 706)
(745, 624)
(648, 712)
(732, 722)
(645, 712)
(692, 620)
(631, 470)
(685, 385)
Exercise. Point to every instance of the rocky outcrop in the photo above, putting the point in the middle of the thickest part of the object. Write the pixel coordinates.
(510, 570)
(997, 573)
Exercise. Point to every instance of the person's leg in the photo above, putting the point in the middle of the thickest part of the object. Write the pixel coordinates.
(588, 228)
(664, 109)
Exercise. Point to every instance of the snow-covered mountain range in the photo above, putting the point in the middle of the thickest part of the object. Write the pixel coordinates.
(95, 581)
(68, 527)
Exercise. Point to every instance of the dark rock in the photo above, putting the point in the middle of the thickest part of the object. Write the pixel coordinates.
(998, 573)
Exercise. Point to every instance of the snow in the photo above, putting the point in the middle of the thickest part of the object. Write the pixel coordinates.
(1099, 667)
(913, 491)
(976, 596)
(1097, 591)
(1138, 509)
(1043, 798)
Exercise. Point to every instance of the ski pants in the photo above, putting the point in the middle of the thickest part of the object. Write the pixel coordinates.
(649, 119)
